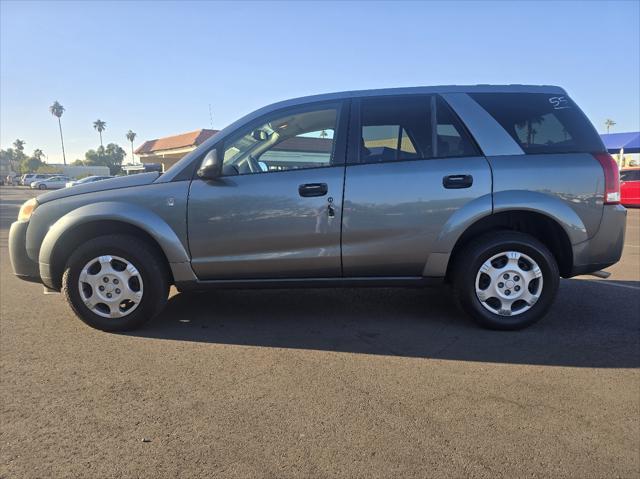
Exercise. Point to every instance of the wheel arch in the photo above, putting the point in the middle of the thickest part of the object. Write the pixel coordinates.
(541, 226)
(98, 219)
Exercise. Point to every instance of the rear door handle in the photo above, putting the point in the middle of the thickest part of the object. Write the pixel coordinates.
(313, 189)
(457, 181)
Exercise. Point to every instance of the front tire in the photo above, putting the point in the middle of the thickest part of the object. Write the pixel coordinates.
(42, 187)
(115, 283)
(505, 280)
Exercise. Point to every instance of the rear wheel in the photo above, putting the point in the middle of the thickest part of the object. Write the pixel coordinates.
(506, 280)
(115, 283)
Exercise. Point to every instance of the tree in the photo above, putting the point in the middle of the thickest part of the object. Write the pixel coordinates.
(30, 164)
(132, 136)
(38, 154)
(100, 126)
(78, 163)
(111, 156)
(57, 110)
(608, 123)
(19, 145)
(12, 157)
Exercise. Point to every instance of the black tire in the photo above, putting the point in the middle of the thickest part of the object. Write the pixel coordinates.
(471, 258)
(42, 187)
(149, 264)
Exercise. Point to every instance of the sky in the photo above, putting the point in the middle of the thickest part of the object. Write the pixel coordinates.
(155, 67)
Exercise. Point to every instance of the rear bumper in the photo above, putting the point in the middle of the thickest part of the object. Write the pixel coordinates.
(23, 266)
(605, 248)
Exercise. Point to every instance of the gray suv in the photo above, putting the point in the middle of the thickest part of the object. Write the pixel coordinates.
(497, 190)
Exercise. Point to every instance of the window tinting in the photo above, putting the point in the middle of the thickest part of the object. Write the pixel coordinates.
(452, 138)
(541, 122)
(402, 128)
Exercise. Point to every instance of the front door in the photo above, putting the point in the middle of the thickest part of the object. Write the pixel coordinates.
(276, 211)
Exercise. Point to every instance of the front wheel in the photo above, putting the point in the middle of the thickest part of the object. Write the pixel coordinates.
(115, 283)
(506, 280)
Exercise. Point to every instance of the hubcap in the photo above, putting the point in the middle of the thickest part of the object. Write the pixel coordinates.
(509, 283)
(110, 286)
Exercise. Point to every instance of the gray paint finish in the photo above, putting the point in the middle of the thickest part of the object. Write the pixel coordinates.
(394, 213)
(395, 222)
(258, 226)
(567, 187)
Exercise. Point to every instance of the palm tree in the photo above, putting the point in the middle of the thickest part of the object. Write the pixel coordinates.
(19, 145)
(131, 136)
(100, 126)
(57, 110)
(38, 154)
(609, 123)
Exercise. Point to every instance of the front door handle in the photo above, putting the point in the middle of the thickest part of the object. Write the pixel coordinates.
(457, 181)
(313, 189)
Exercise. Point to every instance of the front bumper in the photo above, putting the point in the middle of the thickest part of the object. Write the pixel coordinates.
(605, 247)
(23, 266)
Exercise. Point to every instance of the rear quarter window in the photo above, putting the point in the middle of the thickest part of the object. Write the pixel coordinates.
(542, 122)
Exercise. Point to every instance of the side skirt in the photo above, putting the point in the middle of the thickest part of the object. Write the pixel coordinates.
(288, 283)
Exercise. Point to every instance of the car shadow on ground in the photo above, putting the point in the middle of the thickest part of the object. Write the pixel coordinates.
(590, 324)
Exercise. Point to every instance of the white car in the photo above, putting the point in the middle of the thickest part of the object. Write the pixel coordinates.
(88, 179)
(53, 183)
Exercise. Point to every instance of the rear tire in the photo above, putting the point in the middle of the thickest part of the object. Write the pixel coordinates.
(505, 280)
(124, 268)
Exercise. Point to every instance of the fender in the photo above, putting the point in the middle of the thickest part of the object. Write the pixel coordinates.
(132, 214)
(503, 201)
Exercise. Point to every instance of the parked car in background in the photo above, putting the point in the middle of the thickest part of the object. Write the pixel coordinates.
(496, 190)
(630, 186)
(88, 179)
(31, 177)
(53, 183)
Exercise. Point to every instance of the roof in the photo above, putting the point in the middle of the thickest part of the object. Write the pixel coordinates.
(184, 140)
(614, 142)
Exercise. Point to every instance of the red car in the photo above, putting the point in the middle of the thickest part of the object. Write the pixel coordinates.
(630, 187)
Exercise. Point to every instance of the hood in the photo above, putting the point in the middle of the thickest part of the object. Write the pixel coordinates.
(110, 184)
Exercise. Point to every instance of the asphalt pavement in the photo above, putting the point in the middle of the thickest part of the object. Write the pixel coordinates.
(322, 383)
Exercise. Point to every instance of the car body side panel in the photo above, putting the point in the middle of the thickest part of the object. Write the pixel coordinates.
(158, 209)
(394, 212)
(568, 187)
(258, 226)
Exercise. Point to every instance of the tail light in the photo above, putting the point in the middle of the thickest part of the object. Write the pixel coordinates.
(611, 178)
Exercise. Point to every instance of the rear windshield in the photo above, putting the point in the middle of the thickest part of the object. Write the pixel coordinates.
(542, 122)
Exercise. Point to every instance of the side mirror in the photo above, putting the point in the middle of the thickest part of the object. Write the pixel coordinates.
(211, 167)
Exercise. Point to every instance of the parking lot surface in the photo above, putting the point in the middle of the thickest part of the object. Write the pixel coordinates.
(322, 383)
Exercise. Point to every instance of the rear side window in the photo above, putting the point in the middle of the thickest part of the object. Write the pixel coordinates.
(411, 128)
(542, 122)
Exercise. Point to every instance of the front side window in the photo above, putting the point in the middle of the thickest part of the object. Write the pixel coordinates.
(288, 142)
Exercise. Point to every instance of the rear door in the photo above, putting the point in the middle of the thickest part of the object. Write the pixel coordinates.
(411, 166)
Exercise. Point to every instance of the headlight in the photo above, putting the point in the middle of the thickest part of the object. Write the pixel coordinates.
(27, 209)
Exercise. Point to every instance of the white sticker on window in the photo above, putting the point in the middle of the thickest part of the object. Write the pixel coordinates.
(559, 102)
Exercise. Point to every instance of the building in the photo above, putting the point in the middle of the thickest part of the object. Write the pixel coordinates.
(168, 150)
